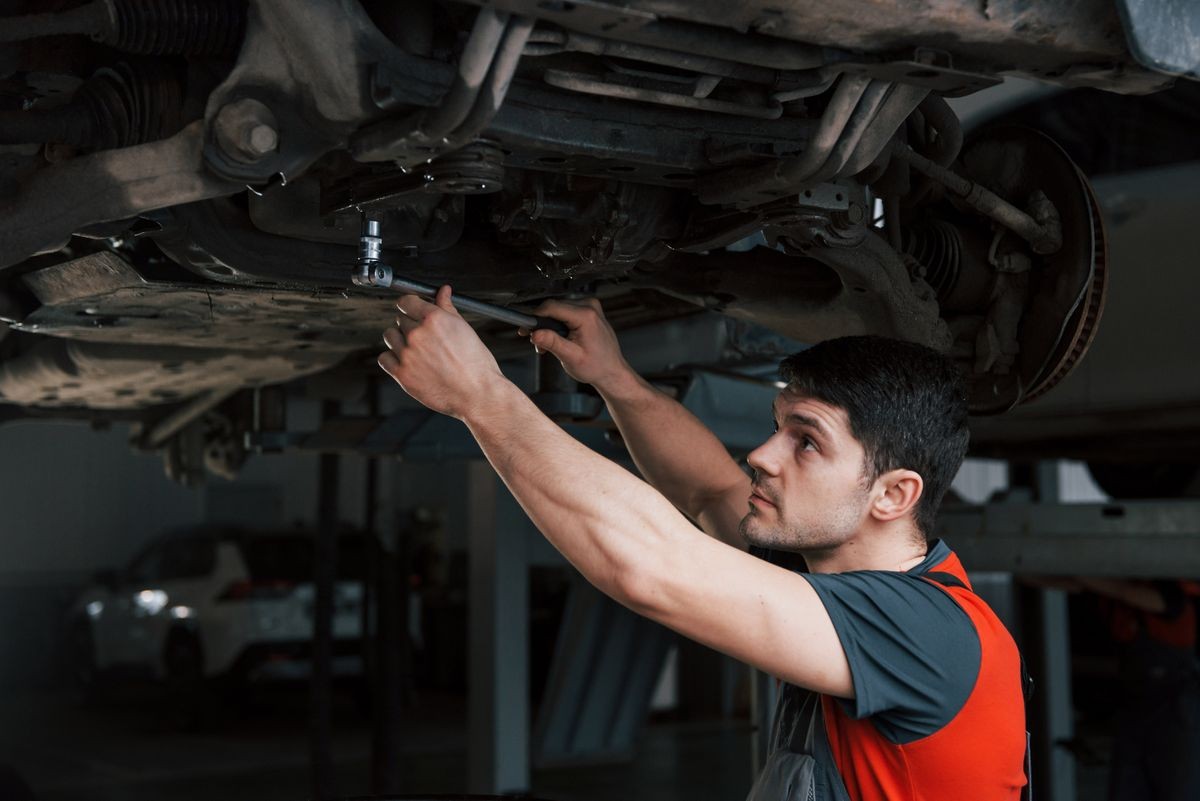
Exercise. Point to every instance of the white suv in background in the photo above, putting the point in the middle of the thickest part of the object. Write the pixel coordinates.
(203, 603)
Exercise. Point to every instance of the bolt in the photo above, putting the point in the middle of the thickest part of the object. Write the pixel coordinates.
(246, 130)
(262, 139)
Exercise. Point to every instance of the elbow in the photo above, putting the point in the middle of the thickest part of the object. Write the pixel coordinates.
(639, 585)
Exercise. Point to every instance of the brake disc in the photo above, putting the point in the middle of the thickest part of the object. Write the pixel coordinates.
(1084, 323)
(1066, 289)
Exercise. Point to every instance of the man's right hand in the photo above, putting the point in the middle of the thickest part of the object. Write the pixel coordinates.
(676, 453)
(590, 353)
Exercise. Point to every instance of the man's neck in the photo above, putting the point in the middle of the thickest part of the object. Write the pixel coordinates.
(877, 551)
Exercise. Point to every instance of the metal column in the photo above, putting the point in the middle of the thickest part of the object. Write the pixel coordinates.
(498, 630)
(324, 579)
(1056, 763)
(392, 667)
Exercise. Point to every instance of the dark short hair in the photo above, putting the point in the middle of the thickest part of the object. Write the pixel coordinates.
(906, 404)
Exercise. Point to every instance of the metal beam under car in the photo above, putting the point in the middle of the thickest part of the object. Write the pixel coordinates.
(1148, 539)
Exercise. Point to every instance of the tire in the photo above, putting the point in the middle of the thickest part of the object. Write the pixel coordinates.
(188, 703)
(86, 682)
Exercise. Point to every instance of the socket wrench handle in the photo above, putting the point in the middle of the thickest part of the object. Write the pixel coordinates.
(370, 271)
(463, 303)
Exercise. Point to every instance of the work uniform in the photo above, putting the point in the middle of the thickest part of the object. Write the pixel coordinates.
(1156, 753)
(938, 712)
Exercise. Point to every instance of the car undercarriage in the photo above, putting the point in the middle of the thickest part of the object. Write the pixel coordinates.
(184, 182)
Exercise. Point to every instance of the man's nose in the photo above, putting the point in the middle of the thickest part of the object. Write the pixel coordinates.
(763, 458)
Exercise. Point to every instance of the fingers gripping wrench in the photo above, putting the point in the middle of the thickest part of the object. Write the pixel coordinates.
(371, 271)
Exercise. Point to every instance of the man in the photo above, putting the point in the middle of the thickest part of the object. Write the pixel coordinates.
(897, 681)
(1158, 712)
(1154, 626)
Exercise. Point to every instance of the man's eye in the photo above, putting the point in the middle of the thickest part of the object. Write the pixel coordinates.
(809, 444)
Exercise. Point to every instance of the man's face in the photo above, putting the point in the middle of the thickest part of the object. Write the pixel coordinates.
(809, 490)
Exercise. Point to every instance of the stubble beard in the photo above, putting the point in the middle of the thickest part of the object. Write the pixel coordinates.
(833, 530)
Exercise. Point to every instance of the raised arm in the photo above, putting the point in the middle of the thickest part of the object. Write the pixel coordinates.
(621, 534)
(675, 452)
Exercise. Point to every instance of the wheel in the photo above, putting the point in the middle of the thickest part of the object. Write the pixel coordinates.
(183, 658)
(85, 678)
(187, 704)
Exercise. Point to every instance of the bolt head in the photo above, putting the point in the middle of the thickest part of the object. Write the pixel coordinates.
(246, 130)
(262, 140)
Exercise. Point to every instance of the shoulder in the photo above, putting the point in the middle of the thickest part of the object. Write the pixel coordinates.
(892, 595)
(914, 651)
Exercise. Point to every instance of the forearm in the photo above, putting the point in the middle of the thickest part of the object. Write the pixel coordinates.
(603, 519)
(679, 456)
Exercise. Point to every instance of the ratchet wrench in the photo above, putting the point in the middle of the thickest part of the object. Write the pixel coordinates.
(371, 271)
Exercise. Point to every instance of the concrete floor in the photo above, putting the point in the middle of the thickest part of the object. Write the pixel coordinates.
(126, 751)
(131, 747)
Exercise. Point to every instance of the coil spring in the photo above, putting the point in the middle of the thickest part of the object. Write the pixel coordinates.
(179, 27)
(937, 247)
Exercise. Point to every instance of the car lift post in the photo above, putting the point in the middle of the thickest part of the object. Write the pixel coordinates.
(324, 576)
(1055, 716)
(499, 538)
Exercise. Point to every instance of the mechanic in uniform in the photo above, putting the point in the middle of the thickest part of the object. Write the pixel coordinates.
(1156, 753)
(897, 681)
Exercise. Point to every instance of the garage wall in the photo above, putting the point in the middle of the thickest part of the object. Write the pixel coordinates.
(72, 500)
(75, 500)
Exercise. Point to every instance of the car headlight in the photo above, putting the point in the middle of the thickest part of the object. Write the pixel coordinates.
(151, 601)
(95, 609)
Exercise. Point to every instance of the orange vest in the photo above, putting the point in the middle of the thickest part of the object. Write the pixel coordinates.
(977, 756)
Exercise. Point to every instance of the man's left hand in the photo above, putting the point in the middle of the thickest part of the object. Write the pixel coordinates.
(436, 357)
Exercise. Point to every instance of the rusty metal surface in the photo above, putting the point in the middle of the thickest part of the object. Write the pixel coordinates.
(111, 340)
(101, 298)
(111, 185)
(1073, 27)
(1071, 42)
(307, 61)
(60, 373)
(833, 290)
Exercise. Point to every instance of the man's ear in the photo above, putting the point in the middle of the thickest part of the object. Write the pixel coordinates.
(899, 491)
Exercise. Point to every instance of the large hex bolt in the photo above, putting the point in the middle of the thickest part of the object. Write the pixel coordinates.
(246, 130)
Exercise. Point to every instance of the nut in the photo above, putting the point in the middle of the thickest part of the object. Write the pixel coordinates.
(246, 130)
(263, 139)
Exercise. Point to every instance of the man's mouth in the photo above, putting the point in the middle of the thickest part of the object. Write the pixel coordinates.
(757, 496)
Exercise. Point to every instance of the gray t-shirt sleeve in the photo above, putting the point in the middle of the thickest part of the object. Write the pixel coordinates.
(914, 653)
